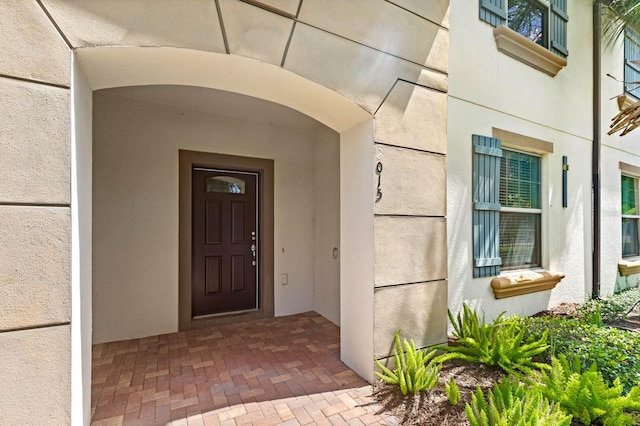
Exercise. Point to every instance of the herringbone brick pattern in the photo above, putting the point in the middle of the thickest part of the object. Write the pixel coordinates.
(278, 371)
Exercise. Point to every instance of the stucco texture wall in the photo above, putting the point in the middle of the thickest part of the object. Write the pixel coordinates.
(488, 89)
(135, 205)
(615, 150)
(35, 218)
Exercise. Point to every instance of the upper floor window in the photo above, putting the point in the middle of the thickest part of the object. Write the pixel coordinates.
(631, 69)
(542, 21)
(528, 18)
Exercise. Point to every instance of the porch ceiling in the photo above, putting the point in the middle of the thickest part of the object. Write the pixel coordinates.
(219, 102)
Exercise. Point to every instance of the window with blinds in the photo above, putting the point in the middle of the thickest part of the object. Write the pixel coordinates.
(520, 211)
(630, 216)
(631, 70)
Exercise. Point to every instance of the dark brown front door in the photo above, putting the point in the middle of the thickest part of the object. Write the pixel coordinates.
(224, 242)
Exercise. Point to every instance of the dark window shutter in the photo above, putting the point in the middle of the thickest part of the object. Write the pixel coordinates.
(493, 12)
(486, 207)
(559, 19)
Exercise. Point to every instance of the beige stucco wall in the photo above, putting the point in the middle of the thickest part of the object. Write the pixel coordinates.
(410, 219)
(489, 89)
(410, 283)
(135, 221)
(35, 218)
(326, 267)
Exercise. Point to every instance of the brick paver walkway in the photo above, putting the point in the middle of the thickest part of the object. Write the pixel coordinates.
(278, 371)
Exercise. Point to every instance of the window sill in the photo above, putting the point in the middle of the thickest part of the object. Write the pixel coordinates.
(628, 267)
(526, 51)
(625, 102)
(524, 282)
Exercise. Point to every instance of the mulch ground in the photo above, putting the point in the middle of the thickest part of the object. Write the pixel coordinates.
(433, 408)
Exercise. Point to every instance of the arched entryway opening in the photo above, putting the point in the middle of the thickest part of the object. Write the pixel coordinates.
(321, 148)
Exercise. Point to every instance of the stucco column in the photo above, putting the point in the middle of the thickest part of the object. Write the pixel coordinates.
(35, 222)
(410, 217)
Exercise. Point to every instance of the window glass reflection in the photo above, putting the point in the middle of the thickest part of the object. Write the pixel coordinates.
(527, 17)
(225, 184)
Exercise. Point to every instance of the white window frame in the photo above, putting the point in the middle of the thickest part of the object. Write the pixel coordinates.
(538, 211)
(636, 182)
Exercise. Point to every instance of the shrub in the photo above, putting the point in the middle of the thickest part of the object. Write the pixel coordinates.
(627, 299)
(615, 352)
(510, 404)
(586, 396)
(597, 312)
(612, 308)
(414, 368)
(453, 393)
(500, 344)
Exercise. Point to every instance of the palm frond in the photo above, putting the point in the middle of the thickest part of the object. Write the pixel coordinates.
(617, 15)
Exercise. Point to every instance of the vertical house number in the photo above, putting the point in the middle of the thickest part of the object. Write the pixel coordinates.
(379, 172)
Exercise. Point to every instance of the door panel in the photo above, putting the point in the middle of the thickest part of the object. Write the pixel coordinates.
(213, 218)
(238, 268)
(224, 221)
(238, 222)
(213, 274)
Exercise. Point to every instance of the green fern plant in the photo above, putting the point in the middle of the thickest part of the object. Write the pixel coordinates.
(414, 370)
(511, 404)
(499, 344)
(587, 396)
(453, 392)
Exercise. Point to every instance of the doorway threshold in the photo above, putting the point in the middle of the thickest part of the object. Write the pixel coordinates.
(223, 314)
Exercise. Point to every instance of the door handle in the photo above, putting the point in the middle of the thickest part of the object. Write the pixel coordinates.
(253, 247)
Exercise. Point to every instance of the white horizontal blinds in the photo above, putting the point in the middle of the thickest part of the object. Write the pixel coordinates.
(519, 180)
(519, 240)
(559, 20)
(520, 218)
(486, 206)
(630, 216)
(631, 70)
(493, 12)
